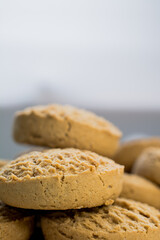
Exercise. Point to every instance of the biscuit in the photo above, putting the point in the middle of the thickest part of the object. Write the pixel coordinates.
(60, 179)
(140, 189)
(125, 219)
(148, 165)
(15, 223)
(129, 151)
(66, 126)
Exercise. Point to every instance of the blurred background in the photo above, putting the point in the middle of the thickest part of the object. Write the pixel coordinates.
(100, 55)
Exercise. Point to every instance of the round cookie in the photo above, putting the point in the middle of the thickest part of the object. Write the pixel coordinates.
(125, 219)
(140, 189)
(129, 151)
(60, 179)
(148, 165)
(66, 126)
(15, 223)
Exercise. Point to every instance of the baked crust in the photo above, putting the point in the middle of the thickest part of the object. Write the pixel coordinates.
(15, 223)
(60, 179)
(140, 189)
(125, 219)
(66, 126)
(148, 165)
(128, 152)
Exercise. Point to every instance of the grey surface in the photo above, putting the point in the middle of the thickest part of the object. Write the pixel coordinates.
(132, 123)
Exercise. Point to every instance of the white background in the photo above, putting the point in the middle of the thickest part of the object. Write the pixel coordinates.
(89, 53)
(102, 55)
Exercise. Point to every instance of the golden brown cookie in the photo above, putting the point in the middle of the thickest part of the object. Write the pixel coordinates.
(129, 151)
(66, 126)
(125, 219)
(140, 189)
(15, 223)
(60, 179)
(148, 165)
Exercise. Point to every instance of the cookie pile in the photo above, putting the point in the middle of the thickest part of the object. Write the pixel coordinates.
(141, 159)
(73, 186)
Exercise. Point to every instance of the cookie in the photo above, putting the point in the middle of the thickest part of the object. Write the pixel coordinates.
(140, 189)
(60, 179)
(15, 223)
(129, 151)
(66, 126)
(125, 219)
(3, 163)
(148, 165)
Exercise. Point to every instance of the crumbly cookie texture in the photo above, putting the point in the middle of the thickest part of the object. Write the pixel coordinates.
(128, 152)
(148, 165)
(125, 219)
(66, 126)
(15, 223)
(60, 179)
(140, 189)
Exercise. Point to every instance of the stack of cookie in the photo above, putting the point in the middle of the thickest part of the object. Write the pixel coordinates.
(141, 157)
(74, 181)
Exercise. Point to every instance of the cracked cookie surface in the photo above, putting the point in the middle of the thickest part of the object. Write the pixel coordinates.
(15, 223)
(66, 126)
(60, 179)
(125, 219)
